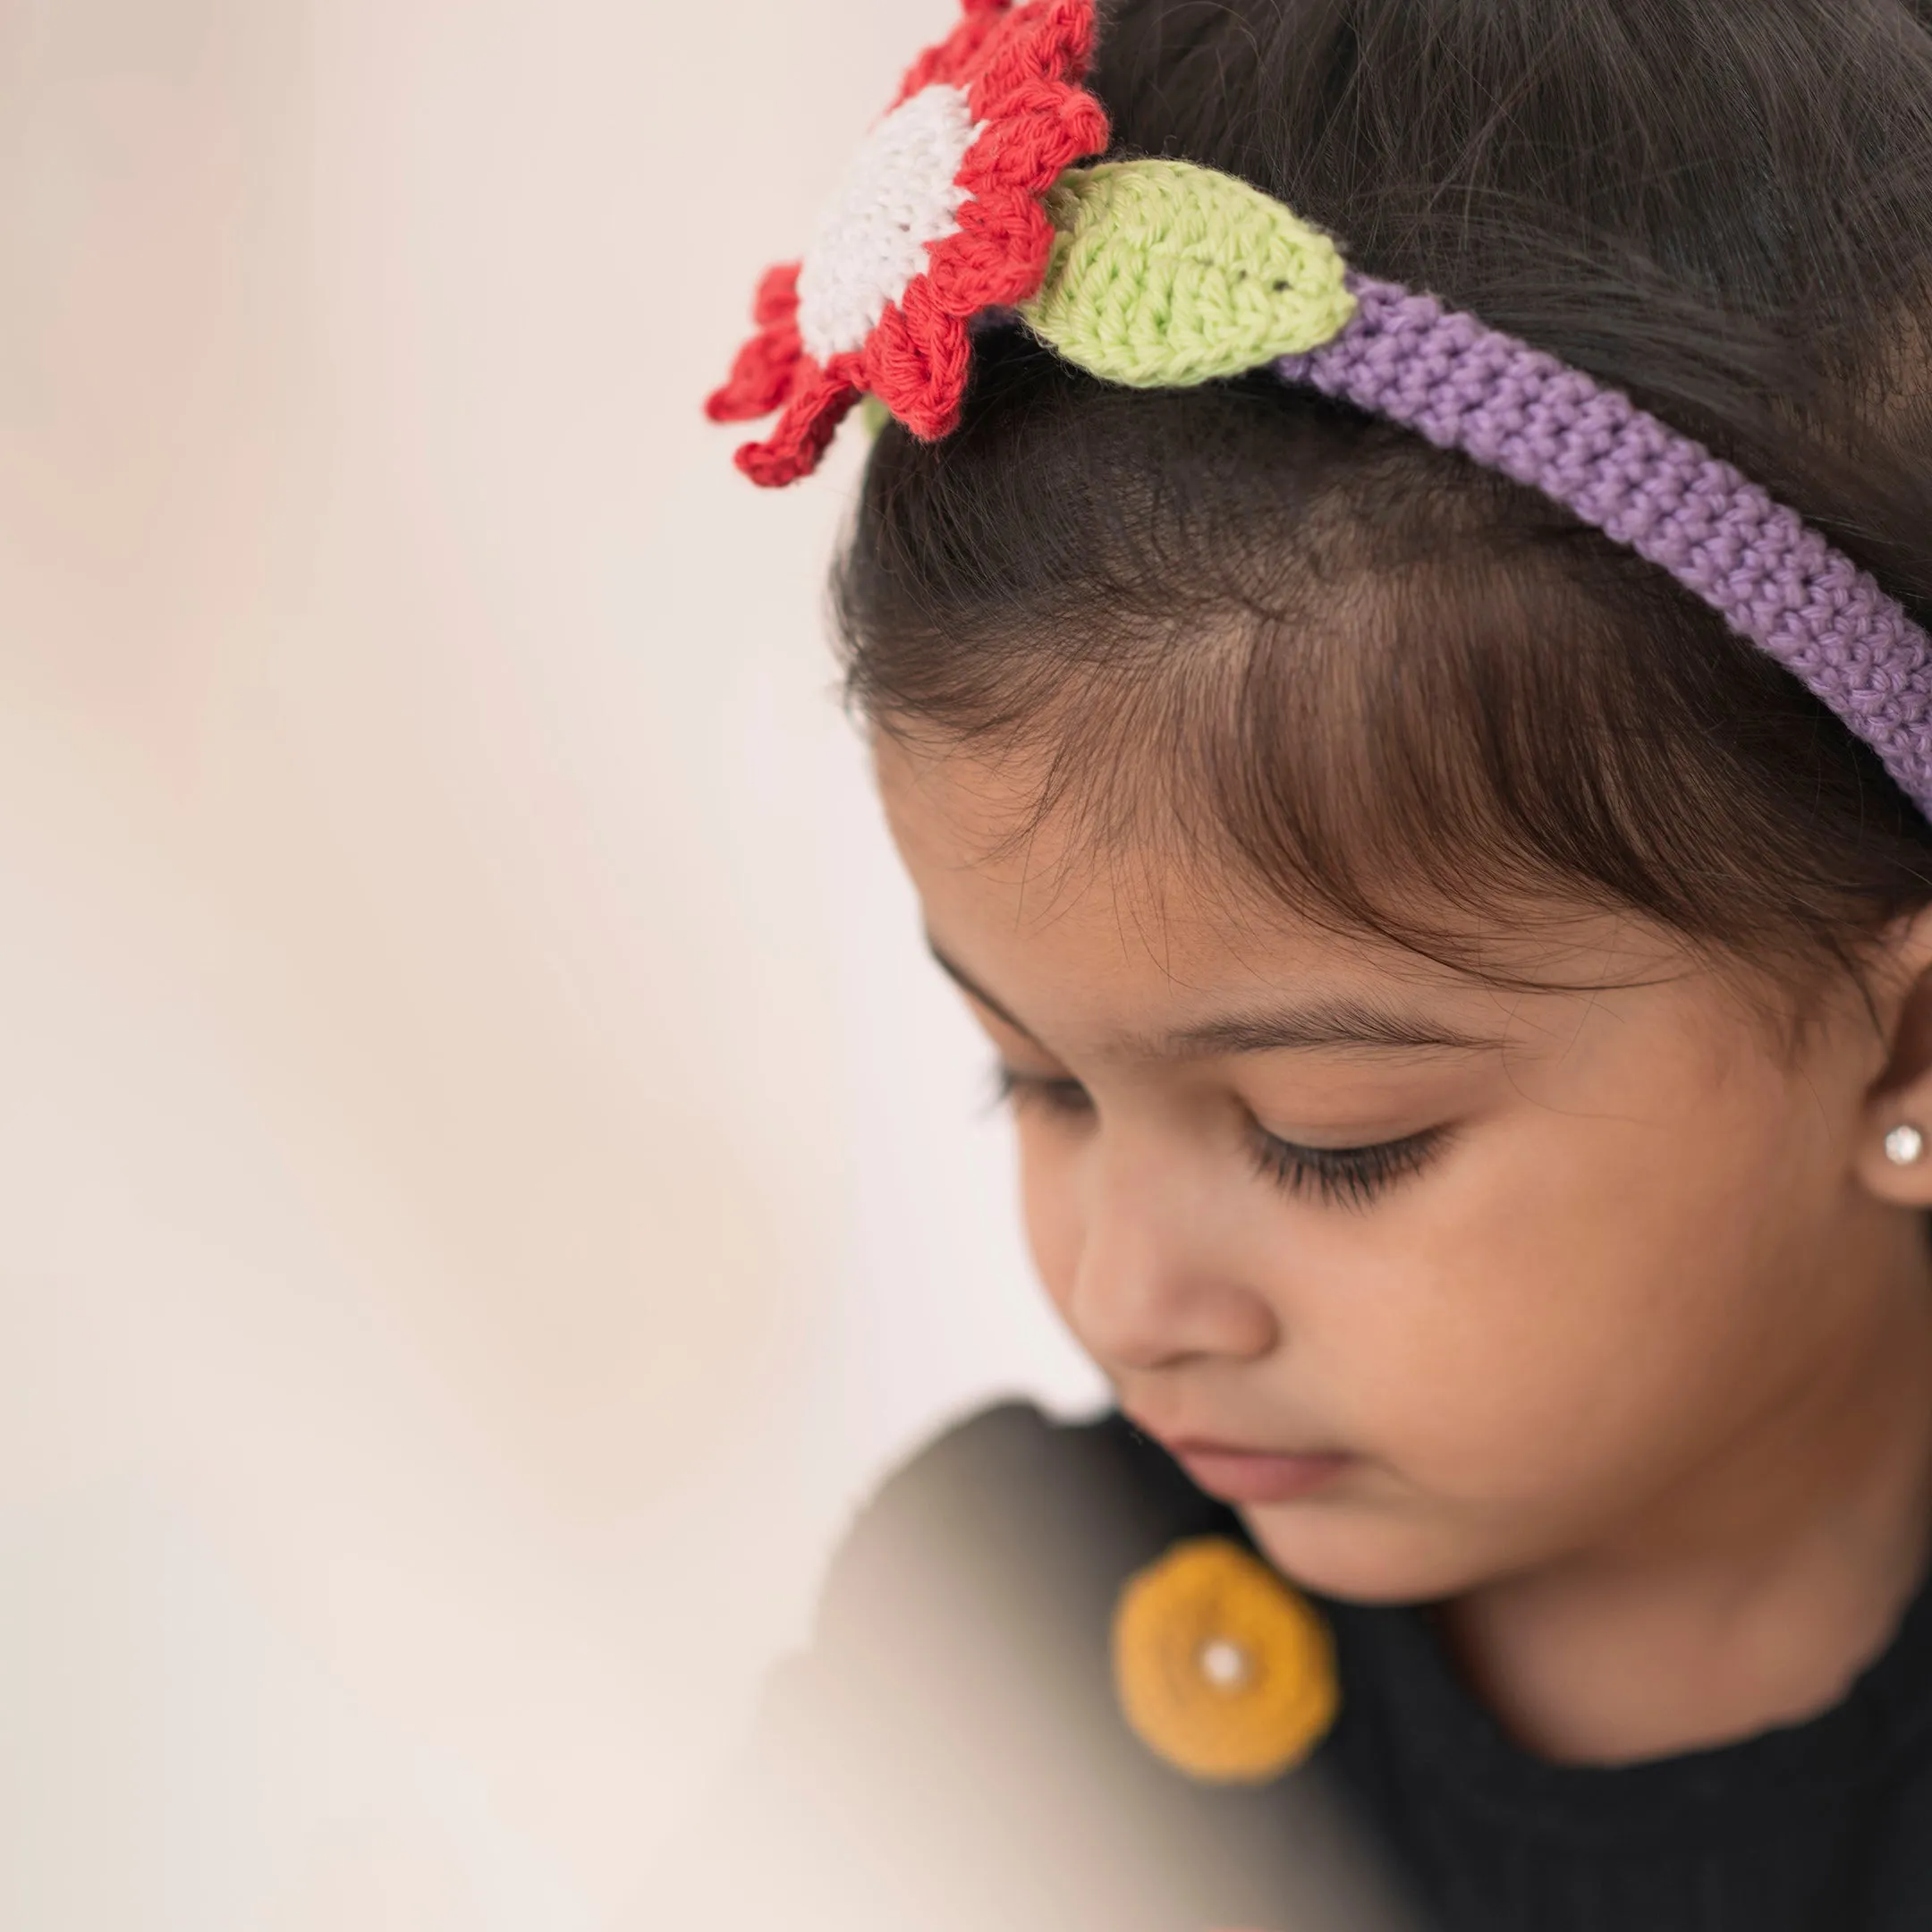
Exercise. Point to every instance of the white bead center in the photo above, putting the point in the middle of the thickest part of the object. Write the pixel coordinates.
(898, 198)
(1224, 1664)
(1905, 1146)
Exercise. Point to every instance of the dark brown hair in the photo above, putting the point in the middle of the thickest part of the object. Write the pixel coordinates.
(1374, 677)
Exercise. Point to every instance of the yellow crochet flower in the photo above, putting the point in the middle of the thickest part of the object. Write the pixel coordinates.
(1221, 1668)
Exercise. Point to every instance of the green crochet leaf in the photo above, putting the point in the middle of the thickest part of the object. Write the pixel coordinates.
(1164, 275)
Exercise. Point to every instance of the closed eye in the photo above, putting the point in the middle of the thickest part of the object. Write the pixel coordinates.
(1338, 1177)
(1053, 1093)
(1345, 1177)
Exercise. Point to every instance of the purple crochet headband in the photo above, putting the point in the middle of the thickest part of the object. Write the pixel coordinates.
(961, 209)
(1772, 577)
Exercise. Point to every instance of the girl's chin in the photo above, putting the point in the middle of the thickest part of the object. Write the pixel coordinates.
(1361, 1554)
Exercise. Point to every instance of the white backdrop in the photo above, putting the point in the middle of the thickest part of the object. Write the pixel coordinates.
(487, 1177)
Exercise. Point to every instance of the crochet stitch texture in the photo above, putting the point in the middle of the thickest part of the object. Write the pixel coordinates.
(901, 195)
(965, 202)
(1222, 1669)
(926, 234)
(1165, 273)
(1775, 579)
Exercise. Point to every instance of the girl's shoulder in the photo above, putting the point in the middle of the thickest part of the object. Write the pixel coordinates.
(966, 1619)
(1013, 1527)
(949, 1751)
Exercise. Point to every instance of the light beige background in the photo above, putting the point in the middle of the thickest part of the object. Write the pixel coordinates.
(486, 1176)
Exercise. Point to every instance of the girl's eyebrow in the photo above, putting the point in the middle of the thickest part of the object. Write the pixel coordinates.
(1341, 1020)
(973, 990)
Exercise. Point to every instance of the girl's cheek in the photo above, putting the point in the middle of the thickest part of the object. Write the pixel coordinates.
(1049, 1197)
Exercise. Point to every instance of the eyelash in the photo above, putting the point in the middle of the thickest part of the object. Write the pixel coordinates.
(1345, 1177)
(1066, 1098)
(1338, 1177)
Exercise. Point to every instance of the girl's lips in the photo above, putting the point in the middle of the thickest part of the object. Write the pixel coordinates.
(1256, 1476)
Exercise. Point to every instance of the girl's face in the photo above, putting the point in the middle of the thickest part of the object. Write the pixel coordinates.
(1437, 1282)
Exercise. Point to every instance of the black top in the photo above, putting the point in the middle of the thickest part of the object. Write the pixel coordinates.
(949, 1757)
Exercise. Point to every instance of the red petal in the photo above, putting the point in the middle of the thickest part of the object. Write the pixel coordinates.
(1031, 150)
(803, 432)
(999, 256)
(776, 301)
(1048, 40)
(917, 363)
(767, 366)
(956, 58)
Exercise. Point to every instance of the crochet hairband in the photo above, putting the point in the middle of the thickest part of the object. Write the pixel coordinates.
(966, 198)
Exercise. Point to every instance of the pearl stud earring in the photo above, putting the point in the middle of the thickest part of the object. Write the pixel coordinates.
(1905, 1146)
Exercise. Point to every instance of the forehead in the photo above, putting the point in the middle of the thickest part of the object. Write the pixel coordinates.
(1130, 942)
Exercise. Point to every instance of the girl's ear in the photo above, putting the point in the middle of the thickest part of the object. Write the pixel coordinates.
(1894, 1159)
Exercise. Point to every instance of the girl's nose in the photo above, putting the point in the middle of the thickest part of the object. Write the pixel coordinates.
(1157, 1279)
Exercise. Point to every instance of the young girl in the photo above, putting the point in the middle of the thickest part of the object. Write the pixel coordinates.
(1389, 604)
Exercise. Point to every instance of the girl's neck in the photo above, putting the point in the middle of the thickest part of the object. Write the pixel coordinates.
(1754, 1601)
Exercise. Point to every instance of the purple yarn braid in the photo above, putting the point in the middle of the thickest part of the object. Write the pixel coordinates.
(1772, 578)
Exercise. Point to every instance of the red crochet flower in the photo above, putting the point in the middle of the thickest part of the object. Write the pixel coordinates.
(938, 218)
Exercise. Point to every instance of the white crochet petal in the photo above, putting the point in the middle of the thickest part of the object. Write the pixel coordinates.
(898, 198)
